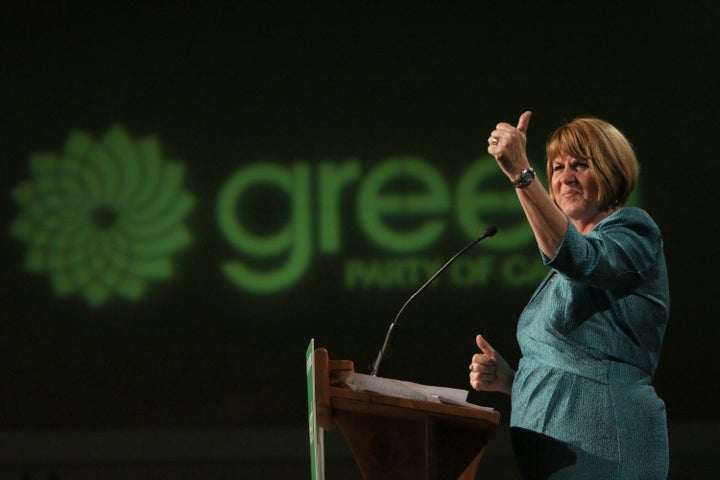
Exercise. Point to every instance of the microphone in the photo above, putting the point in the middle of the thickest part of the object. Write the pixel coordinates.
(386, 351)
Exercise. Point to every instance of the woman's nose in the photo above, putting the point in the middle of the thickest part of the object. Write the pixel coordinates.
(568, 177)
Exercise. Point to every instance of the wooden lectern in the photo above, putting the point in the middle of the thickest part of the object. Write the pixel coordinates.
(398, 438)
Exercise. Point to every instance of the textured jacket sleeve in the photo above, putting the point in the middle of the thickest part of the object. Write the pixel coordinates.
(616, 254)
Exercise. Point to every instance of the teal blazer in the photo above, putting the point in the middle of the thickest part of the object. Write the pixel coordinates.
(583, 404)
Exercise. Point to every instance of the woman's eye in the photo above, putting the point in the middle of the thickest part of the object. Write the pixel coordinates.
(557, 168)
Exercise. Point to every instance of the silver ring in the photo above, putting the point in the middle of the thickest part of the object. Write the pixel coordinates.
(495, 140)
(471, 368)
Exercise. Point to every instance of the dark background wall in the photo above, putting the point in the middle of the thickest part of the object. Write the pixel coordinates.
(225, 85)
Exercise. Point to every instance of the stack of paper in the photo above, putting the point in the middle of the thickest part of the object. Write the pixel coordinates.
(413, 391)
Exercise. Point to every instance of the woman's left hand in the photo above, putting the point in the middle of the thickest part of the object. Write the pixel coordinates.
(489, 371)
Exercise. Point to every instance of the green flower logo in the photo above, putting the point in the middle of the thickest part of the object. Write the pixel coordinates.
(103, 217)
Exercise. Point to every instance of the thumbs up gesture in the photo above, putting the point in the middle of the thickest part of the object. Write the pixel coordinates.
(507, 144)
(489, 371)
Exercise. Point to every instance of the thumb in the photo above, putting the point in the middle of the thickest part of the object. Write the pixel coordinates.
(524, 121)
(485, 347)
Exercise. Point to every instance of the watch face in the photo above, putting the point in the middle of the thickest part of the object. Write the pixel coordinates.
(526, 176)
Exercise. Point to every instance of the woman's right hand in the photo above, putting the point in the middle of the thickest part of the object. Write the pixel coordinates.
(489, 371)
(507, 144)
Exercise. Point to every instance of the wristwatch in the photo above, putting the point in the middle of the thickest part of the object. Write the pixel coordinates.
(526, 177)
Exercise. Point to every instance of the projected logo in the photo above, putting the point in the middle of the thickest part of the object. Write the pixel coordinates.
(103, 218)
(399, 209)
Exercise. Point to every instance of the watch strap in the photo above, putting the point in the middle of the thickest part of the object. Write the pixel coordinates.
(526, 177)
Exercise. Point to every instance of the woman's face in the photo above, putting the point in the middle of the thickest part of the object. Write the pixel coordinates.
(575, 191)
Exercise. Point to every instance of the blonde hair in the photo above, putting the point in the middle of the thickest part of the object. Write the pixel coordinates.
(611, 156)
